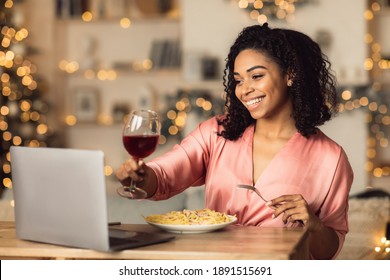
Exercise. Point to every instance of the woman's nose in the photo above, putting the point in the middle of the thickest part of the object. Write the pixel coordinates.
(247, 88)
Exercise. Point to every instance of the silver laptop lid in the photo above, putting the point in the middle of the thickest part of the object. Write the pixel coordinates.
(60, 196)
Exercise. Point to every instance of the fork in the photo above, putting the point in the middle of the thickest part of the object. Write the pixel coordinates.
(252, 188)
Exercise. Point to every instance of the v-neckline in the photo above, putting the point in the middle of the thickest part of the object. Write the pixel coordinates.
(277, 155)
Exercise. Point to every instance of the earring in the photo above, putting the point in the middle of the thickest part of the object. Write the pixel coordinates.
(289, 83)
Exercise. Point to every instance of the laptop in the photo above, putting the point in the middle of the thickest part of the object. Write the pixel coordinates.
(60, 198)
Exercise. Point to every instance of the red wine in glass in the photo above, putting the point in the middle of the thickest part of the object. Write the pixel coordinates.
(140, 146)
(140, 137)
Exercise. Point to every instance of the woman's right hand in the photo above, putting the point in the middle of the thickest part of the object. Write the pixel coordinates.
(142, 175)
(131, 170)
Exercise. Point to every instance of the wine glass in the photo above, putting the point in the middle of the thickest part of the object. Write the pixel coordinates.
(140, 138)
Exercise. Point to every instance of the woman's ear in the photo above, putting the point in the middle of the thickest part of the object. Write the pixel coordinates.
(290, 78)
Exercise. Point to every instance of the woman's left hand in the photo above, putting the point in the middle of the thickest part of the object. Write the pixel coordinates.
(294, 208)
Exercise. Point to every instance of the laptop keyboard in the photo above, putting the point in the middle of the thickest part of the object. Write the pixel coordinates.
(118, 241)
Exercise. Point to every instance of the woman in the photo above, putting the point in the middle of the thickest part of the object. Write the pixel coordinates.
(279, 88)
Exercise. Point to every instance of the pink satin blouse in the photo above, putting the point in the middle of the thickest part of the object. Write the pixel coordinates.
(315, 167)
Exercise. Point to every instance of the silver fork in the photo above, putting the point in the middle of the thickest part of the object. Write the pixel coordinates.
(252, 188)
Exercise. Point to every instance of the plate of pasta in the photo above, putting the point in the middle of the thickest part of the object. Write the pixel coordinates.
(191, 221)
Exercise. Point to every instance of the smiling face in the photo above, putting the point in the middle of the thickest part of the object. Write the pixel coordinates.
(261, 86)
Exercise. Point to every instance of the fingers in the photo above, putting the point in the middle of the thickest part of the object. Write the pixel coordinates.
(130, 170)
(291, 208)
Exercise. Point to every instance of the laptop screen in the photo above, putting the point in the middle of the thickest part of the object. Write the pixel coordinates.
(60, 196)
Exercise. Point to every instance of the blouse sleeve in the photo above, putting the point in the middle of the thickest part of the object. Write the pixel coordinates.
(334, 211)
(184, 165)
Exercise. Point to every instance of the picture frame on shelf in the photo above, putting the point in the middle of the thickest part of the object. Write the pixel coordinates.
(86, 104)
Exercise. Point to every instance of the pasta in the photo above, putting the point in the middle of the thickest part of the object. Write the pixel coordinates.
(189, 217)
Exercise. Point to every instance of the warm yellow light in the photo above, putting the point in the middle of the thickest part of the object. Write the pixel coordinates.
(87, 16)
(377, 249)
(368, 15)
(35, 116)
(4, 110)
(147, 64)
(173, 130)
(3, 125)
(9, 55)
(207, 106)
(258, 4)
(111, 75)
(384, 143)
(384, 64)
(386, 120)
(21, 71)
(199, 101)
(105, 119)
(89, 74)
(25, 117)
(42, 129)
(72, 67)
(364, 101)
(5, 42)
(382, 108)
(8, 4)
(25, 105)
(27, 80)
(373, 106)
(5, 78)
(33, 85)
(254, 14)
(70, 120)
(243, 4)
(369, 166)
(368, 64)
(125, 22)
(346, 95)
(281, 14)
(371, 153)
(376, 7)
(7, 168)
(162, 140)
(34, 143)
(7, 136)
(62, 64)
(378, 172)
(356, 103)
(7, 182)
(6, 91)
(102, 75)
(171, 114)
(108, 170)
(180, 105)
(368, 39)
(17, 140)
(180, 121)
(262, 19)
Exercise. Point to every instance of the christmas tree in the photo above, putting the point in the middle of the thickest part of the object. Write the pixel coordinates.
(23, 120)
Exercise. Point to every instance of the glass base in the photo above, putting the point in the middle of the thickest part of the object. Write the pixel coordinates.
(132, 192)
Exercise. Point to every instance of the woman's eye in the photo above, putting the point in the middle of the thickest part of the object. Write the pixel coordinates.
(258, 76)
(237, 82)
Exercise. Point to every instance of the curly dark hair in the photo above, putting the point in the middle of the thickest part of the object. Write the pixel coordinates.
(313, 92)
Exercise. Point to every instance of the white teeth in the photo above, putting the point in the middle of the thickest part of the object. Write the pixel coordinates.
(254, 101)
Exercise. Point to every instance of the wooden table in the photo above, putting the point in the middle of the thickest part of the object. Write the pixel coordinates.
(233, 242)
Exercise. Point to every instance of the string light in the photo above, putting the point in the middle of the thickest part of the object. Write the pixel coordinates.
(262, 10)
(22, 120)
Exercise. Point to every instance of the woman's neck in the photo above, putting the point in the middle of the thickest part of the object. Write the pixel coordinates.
(275, 129)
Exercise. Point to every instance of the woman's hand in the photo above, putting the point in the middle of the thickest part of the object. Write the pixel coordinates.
(323, 240)
(140, 173)
(294, 208)
(130, 170)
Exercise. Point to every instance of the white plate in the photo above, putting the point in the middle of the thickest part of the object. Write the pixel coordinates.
(194, 228)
